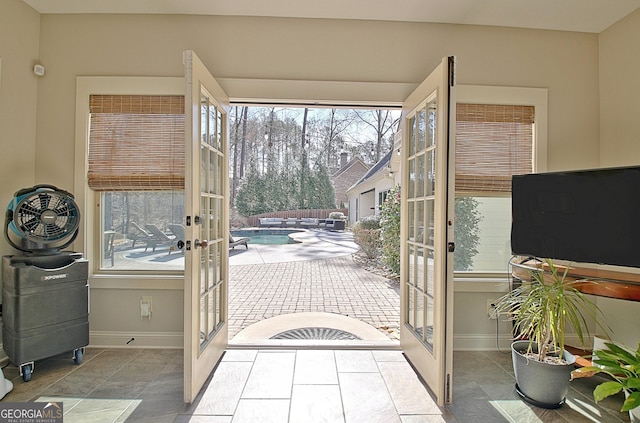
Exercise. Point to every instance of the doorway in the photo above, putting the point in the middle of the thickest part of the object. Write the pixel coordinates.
(290, 161)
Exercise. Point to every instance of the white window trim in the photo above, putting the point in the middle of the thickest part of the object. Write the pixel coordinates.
(523, 96)
(88, 240)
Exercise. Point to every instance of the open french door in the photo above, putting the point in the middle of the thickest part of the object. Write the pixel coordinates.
(426, 270)
(206, 225)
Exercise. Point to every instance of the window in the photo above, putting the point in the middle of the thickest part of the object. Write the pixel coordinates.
(382, 196)
(497, 135)
(136, 163)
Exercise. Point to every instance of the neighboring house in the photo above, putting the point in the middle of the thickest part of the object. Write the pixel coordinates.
(348, 174)
(366, 195)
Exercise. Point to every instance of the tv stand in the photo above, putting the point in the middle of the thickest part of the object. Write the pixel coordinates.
(603, 283)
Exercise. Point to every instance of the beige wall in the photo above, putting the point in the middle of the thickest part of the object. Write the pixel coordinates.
(287, 53)
(620, 136)
(19, 34)
(620, 93)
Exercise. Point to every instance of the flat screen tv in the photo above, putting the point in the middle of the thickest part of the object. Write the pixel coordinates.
(588, 216)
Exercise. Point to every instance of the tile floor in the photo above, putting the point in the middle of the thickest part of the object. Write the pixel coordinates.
(341, 386)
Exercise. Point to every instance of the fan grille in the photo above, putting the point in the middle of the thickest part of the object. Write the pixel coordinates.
(46, 216)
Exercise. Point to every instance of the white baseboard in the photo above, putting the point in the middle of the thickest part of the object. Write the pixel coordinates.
(110, 339)
(481, 342)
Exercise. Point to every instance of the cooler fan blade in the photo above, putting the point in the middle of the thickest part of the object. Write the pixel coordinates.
(63, 210)
(29, 225)
(53, 231)
(44, 201)
(28, 209)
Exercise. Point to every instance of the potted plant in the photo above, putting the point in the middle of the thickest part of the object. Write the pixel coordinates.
(624, 368)
(542, 308)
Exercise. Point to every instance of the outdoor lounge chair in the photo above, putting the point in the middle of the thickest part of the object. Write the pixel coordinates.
(238, 241)
(137, 233)
(160, 236)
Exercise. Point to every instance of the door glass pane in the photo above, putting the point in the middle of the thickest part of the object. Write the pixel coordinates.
(204, 165)
(421, 130)
(412, 136)
(420, 174)
(411, 259)
(431, 172)
(430, 222)
(211, 313)
(212, 126)
(420, 222)
(213, 162)
(429, 322)
(420, 269)
(204, 121)
(420, 316)
(430, 275)
(412, 179)
(411, 220)
(203, 320)
(220, 126)
(431, 123)
(221, 168)
(411, 309)
(219, 219)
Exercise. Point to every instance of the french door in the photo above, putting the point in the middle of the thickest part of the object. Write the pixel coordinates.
(206, 225)
(426, 305)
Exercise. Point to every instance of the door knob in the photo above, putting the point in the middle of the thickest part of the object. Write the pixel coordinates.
(202, 244)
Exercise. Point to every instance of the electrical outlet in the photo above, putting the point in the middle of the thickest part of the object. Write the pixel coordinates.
(492, 313)
(146, 307)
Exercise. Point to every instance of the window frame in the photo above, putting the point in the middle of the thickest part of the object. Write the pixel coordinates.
(502, 95)
(89, 240)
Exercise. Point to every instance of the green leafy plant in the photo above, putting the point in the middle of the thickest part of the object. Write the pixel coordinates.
(337, 216)
(390, 228)
(624, 367)
(543, 307)
(366, 233)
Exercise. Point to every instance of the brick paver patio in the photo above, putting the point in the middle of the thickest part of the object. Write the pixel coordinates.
(333, 285)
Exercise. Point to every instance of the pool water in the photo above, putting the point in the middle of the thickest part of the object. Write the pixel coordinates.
(266, 236)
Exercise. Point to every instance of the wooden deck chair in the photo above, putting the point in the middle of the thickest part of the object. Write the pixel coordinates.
(160, 237)
(138, 233)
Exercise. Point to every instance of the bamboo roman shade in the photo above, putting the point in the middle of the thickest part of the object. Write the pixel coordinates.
(493, 142)
(136, 143)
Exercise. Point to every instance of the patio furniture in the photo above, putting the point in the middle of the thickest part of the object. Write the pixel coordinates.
(137, 233)
(271, 222)
(109, 252)
(238, 241)
(292, 222)
(334, 224)
(309, 222)
(160, 237)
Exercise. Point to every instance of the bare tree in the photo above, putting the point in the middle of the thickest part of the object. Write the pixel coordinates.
(383, 124)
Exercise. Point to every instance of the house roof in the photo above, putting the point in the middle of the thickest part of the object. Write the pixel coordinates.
(381, 166)
(349, 164)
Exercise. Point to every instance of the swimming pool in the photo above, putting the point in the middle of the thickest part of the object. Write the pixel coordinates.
(267, 236)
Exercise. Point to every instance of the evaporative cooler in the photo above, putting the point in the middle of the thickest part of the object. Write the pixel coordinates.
(45, 291)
